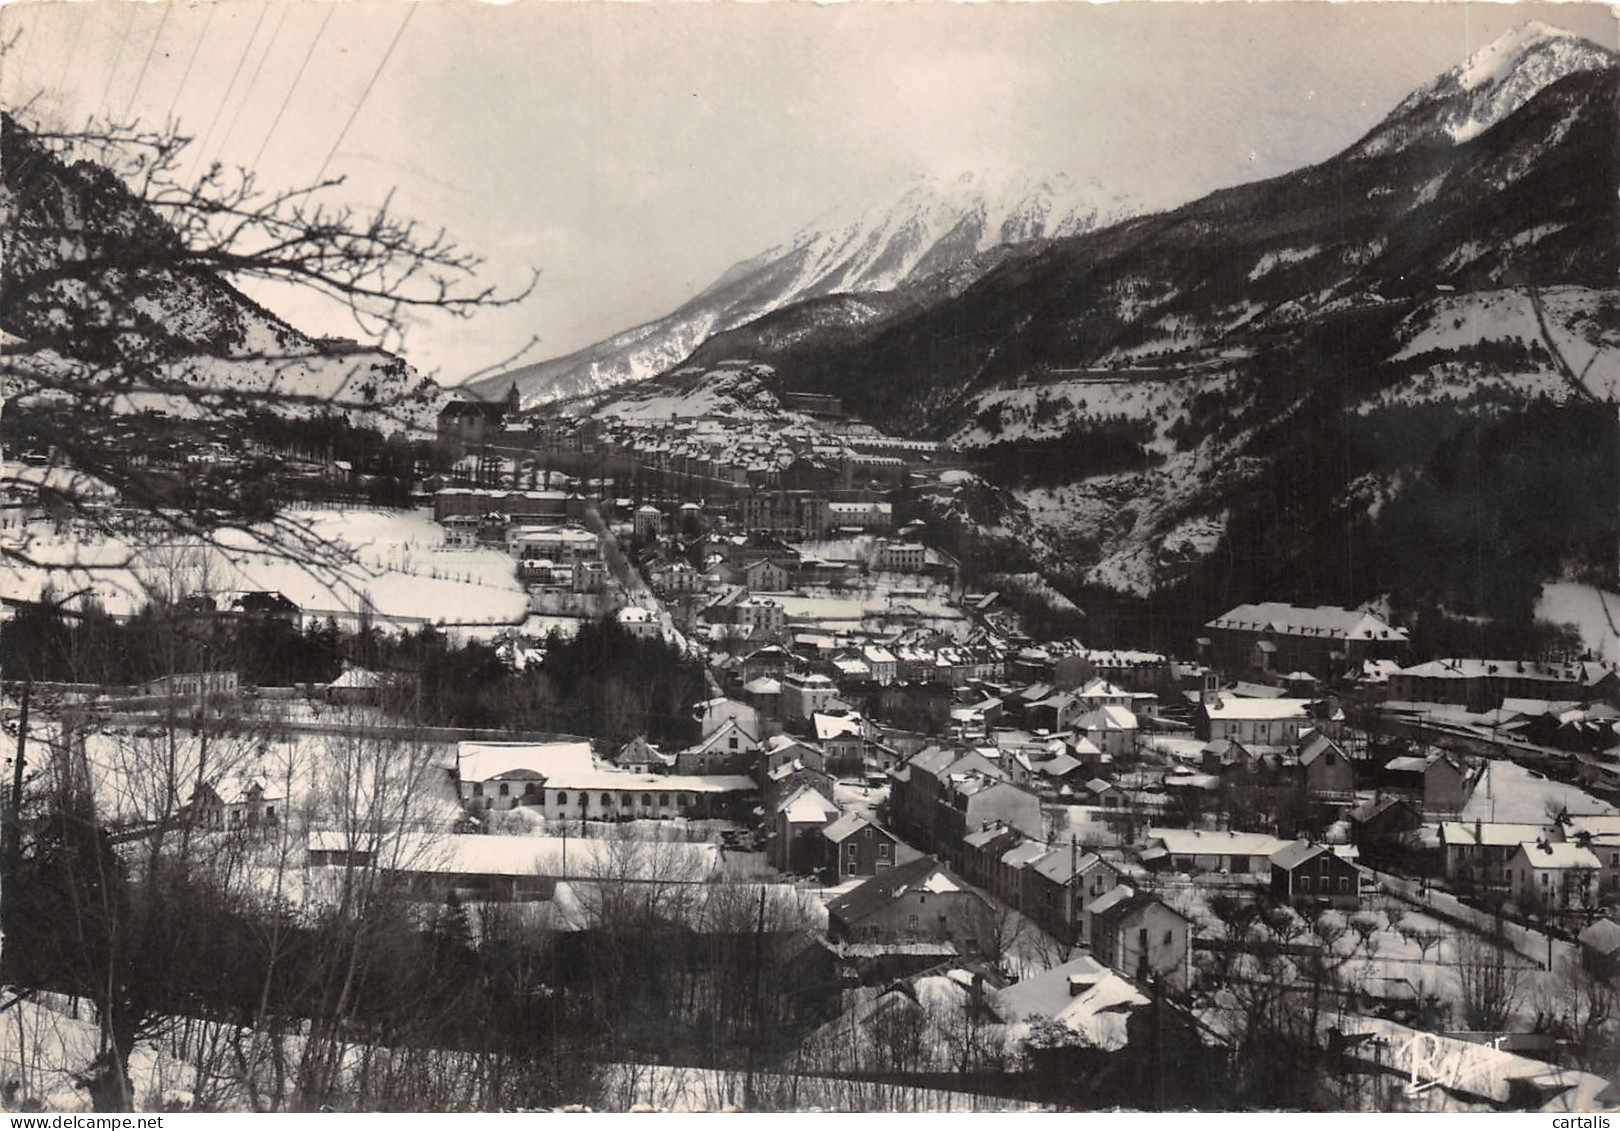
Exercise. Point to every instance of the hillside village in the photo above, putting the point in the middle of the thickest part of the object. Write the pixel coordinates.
(1075, 847)
(904, 677)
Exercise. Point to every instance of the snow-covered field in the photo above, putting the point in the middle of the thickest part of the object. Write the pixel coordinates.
(1509, 792)
(1596, 612)
(1574, 315)
(345, 564)
(1057, 408)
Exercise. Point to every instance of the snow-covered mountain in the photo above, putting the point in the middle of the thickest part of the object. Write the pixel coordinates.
(1491, 85)
(1271, 392)
(930, 228)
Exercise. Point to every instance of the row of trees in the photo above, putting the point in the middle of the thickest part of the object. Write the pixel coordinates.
(604, 682)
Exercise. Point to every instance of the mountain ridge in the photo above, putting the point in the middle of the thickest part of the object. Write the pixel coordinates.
(182, 340)
(1229, 396)
(930, 228)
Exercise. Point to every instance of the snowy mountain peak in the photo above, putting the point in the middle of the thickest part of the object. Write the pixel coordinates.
(1500, 77)
(931, 223)
(1491, 62)
(930, 227)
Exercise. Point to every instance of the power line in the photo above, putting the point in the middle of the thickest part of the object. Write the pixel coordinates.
(150, 51)
(185, 76)
(220, 109)
(375, 75)
(247, 91)
(118, 55)
(308, 54)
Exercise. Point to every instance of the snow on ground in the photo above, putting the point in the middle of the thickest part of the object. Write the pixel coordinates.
(42, 1045)
(390, 565)
(1596, 612)
(138, 771)
(1271, 260)
(1057, 408)
(1181, 749)
(1088, 824)
(653, 1087)
(1510, 793)
(1576, 316)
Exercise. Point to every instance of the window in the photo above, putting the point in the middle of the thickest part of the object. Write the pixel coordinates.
(1304, 885)
(478, 789)
(733, 742)
(911, 923)
(646, 799)
(505, 789)
(851, 852)
(562, 799)
(1169, 937)
(1141, 939)
(528, 790)
(883, 852)
(663, 799)
(606, 801)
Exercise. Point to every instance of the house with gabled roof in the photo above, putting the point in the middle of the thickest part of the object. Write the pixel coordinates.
(1309, 875)
(1439, 778)
(796, 823)
(1385, 827)
(1554, 876)
(854, 847)
(1098, 692)
(728, 749)
(1477, 852)
(923, 901)
(1263, 722)
(1326, 768)
(1061, 885)
(1054, 713)
(975, 800)
(982, 851)
(712, 714)
(1600, 946)
(1142, 937)
(787, 778)
(780, 750)
(638, 756)
(917, 789)
(844, 738)
(1113, 730)
(239, 803)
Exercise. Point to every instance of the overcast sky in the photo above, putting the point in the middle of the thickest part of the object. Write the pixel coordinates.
(634, 151)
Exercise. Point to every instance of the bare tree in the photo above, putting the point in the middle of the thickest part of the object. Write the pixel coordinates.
(1492, 982)
(117, 294)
